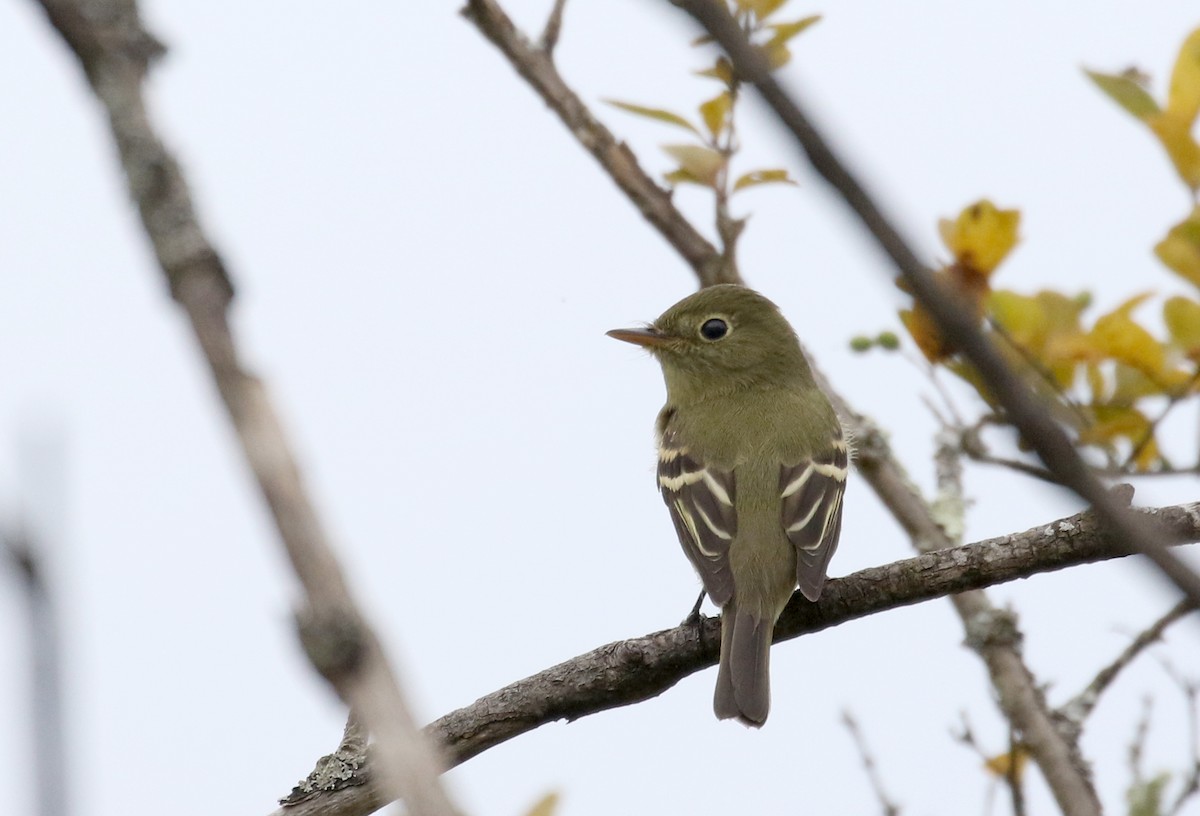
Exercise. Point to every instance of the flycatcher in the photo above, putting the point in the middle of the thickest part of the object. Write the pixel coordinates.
(752, 464)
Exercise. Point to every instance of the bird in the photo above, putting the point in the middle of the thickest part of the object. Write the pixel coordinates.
(752, 465)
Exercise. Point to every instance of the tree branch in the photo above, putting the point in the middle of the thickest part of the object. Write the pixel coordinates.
(630, 671)
(115, 50)
(1025, 410)
(1079, 707)
(537, 68)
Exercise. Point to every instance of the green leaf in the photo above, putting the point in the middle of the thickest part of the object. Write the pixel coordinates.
(1180, 250)
(785, 31)
(701, 164)
(1184, 95)
(1146, 798)
(1127, 93)
(756, 177)
(657, 114)
(1182, 316)
(715, 112)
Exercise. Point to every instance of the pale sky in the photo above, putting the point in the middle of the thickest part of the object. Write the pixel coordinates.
(426, 263)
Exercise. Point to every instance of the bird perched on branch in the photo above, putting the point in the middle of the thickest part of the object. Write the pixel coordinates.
(752, 464)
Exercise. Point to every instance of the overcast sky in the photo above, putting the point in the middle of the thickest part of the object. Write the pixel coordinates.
(426, 264)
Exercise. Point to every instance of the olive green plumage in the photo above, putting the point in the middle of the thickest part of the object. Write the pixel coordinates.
(752, 466)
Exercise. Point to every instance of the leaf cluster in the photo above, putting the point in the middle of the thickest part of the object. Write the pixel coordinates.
(706, 160)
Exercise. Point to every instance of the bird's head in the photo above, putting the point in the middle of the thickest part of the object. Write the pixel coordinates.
(722, 339)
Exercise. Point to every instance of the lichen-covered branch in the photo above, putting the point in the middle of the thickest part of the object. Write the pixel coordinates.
(630, 671)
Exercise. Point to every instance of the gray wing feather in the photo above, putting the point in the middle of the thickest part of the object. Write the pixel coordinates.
(701, 501)
(812, 512)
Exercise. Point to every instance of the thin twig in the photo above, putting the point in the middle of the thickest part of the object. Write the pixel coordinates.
(553, 28)
(46, 677)
(1079, 707)
(1013, 777)
(115, 50)
(1015, 464)
(889, 807)
(1191, 781)
(1036, 426)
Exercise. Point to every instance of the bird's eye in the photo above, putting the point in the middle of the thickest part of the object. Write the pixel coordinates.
(714, 329)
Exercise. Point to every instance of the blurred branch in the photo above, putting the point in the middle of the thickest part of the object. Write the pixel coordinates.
(46, 693)
(553, 28)
(958, 324)
(1079, 707)
(888, 807)
(992, 633)
(630, 671)
(114, 51)
(536, 67)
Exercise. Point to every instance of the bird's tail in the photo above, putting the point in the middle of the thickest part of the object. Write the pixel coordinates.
(743, 679)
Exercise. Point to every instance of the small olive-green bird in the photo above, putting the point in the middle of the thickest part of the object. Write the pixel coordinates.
(752, 464)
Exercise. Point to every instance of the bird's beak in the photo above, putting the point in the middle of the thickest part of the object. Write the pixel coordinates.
(649, 337)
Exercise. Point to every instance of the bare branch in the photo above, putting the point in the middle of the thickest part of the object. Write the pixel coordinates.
(1024, 409)
(535, 67)
(888, 807)
(992, 633)
(46, 676)
(630, 671)
(1079, 707)
(114, 50)
(1191, 781)
(553, 28)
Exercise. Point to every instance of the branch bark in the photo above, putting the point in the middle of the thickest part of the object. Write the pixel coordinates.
(115, 52)
(630, 671)
(536, 66)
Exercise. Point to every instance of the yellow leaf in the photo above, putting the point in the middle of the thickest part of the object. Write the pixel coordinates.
(1119, 422)
(654, 113)
(1118, 336)
(1021, 316)
(1010, 763)
(721, 70)
(1182, 316)
(1175, 133)
(981, 235)
(546, 806)
(762, 8)
(703, 163)
(782, 32)
(924, 331)
(777, 54)
(1127, 93)
(715, 111)
(1147, 454)
(1096, 382)
(1115, 422)
(756, 177)
(1180, 250)
(1183, 98)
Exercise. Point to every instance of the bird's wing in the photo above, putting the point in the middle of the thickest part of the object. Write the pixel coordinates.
(812, 512)
(701, 501)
